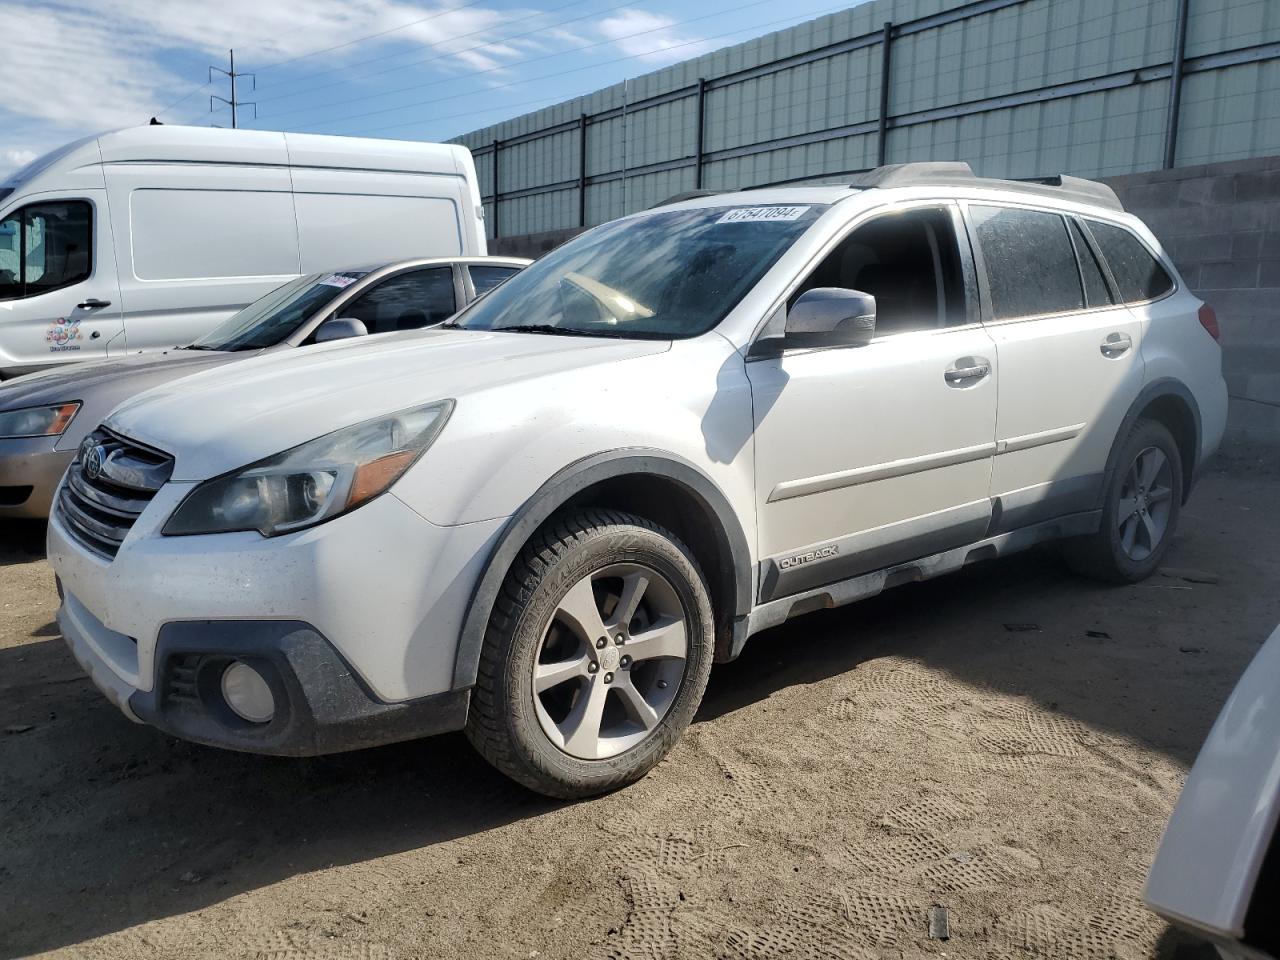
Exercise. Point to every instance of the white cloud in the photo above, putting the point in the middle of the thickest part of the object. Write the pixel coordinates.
(74, 67)
(650, 36)
(13, 159)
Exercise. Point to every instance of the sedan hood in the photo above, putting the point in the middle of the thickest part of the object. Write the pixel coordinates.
(125, 376)
(220, 420)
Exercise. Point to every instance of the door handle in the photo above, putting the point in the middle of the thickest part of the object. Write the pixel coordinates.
(93, 303)
(967, 371)
(1116, 345)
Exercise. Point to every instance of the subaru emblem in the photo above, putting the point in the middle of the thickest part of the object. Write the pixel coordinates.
(91, 460)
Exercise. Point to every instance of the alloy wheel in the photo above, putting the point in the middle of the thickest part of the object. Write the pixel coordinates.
(1146, 502)
(610, 661)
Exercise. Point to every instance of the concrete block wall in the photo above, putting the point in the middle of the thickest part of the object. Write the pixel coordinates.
(1221, 224)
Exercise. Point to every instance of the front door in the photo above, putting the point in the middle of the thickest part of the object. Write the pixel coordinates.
(59, 294)
(875, 455)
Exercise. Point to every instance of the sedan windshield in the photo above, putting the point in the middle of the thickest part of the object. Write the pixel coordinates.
(664, 276)
(270, 319)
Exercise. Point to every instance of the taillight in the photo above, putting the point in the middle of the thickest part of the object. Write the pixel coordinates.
(1209, 320)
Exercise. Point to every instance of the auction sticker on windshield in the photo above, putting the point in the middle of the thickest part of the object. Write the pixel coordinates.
(763, 214)
(337, 280)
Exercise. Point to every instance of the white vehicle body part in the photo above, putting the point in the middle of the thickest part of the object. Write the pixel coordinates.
(176, 228)
(1208, 871)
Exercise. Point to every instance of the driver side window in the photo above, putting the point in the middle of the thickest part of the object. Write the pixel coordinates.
(45, 246)
(910, 262)
(406, 301)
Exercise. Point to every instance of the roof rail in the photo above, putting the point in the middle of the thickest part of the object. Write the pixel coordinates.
(683, 196)
(958, 173)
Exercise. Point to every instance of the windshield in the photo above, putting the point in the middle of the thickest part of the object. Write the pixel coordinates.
(665, 276)
(270, 319)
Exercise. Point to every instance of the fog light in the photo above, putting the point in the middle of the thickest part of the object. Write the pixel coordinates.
(247, 693)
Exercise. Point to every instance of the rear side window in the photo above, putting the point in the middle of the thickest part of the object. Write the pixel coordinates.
(1031, 266)
(406, 301)
(1138, 274)
(1095, 287)
(45, 246)
(485, 279)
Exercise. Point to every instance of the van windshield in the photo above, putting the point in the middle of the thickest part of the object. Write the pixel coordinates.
(271, 319)
(664, 276)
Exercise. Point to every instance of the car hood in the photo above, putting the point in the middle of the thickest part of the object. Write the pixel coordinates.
(76, 381)
(262, 406)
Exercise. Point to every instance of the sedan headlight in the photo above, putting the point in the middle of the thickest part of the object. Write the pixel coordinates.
(316, 481)
(37, 421)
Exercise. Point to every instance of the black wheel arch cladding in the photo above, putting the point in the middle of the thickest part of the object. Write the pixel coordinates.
(1153, 403)
(559, 490)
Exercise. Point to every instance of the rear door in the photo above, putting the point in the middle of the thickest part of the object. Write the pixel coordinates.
(59, 293)
(1070, 364)
(875, 455)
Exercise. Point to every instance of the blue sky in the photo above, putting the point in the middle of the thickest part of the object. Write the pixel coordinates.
(410, 69)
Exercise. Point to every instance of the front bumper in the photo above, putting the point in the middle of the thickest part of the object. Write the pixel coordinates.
(321, 706)
(30, 468)
(382, 588)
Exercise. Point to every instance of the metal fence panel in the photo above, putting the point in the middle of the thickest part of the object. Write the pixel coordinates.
(1015, 87)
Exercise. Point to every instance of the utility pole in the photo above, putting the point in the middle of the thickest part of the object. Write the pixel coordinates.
(235, 101)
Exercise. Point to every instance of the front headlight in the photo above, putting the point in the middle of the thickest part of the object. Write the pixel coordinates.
(313, 482)
(37, 421)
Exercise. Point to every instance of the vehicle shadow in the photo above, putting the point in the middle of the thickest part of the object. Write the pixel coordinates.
(21, 541)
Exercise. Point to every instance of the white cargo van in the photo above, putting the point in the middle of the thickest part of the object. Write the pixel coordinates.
(150, 236)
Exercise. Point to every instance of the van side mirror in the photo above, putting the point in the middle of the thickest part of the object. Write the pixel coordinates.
(340, 329)
(831, 317)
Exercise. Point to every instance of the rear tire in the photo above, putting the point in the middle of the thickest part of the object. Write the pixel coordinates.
(1140, 510)
(596, 655)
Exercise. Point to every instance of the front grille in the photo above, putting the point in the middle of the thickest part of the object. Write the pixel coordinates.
(100, 510)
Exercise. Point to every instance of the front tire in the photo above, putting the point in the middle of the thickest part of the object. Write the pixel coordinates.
(1139, 512)
(596, 655)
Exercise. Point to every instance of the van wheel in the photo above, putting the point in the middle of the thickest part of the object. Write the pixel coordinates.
(596, 655)
(1139, 513)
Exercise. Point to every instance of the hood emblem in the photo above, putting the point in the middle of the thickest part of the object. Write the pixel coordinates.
(91, 459)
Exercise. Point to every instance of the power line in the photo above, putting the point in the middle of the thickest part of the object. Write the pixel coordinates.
(185, 96)
(517, 63)
(372, 36)
(560, 98)
(444, 56)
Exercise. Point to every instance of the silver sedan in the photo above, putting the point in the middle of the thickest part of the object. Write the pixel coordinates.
(44, 416)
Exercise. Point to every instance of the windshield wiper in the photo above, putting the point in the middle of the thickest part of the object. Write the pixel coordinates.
(199, 346)
(549, 328)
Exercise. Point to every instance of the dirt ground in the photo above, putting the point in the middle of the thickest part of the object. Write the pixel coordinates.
(1006, 743)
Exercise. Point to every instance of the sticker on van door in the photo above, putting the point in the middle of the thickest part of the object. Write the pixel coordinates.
(63, 334)
(338, 280)
(763, 214)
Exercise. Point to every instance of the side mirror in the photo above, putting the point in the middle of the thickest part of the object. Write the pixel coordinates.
(831, 317)
(340, 329)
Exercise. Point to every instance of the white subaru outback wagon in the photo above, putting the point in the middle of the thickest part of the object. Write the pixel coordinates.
(545, 521)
